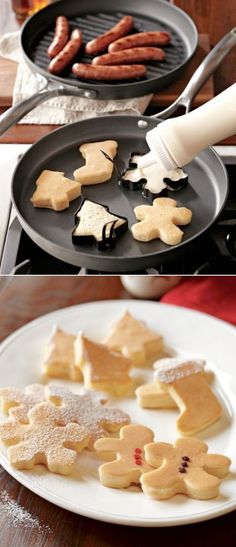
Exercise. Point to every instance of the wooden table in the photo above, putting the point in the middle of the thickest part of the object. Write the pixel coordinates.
(21, 300)
(216, 17)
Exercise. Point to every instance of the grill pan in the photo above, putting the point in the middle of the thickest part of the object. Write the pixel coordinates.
(94, 17)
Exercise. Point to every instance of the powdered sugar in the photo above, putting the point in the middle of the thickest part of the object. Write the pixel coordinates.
(169, 370)
(42, 441)
(21, 401)
(97, 396)
(86, 410)
(18, 516)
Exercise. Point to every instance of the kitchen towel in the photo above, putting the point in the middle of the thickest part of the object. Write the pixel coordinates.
(61, 110)
(213, 295)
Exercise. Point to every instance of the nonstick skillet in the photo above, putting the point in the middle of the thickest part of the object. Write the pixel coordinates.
(205, 194)
(94, 17)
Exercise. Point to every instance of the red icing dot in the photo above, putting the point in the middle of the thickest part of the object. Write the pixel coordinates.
(137, 456)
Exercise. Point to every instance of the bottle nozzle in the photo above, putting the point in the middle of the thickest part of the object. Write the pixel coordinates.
(159, 149)
(147, 160)
(158, 152)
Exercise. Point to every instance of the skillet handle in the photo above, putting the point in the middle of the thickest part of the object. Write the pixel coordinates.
(17, 112)
(208, 66)
(201, 75)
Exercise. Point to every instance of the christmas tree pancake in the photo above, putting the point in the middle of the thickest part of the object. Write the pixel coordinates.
(102, 368)
(59, 356)
(94, 223)
(134, 339)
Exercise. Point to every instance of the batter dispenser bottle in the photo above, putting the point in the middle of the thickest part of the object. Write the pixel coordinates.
(176, 141)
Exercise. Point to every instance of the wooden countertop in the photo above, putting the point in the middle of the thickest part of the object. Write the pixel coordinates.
(23, 299)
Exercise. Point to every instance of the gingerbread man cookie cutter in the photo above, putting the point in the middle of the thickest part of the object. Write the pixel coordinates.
(184, 468)
(130, 461)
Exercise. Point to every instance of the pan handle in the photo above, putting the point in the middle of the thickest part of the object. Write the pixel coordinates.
(201, 75)
(17, 112)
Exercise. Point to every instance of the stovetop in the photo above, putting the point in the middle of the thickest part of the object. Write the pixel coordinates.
(212, 253)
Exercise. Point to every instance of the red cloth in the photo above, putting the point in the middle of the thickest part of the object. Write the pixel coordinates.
(213, 295)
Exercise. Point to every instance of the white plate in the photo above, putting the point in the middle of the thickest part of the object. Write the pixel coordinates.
(185, 330)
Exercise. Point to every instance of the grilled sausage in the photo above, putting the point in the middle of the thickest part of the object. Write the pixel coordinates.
(61, 36)
(129, 56)
(67, 54)
(140, 39)
(92, 72)
(101, 42)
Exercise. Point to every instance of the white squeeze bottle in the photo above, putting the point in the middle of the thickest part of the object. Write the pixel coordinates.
(175, 142)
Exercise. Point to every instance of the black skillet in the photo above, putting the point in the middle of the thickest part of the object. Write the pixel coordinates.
(205, 195)
(94, 17)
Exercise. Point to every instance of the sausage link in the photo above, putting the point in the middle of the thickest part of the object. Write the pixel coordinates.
(140, 39)
(67, 54)
(101, 42)
(129, 56)
(61, 36)
(92, 72)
